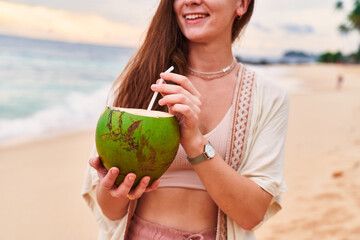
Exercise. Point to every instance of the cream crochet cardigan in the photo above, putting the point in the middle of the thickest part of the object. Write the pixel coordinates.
(256, 151)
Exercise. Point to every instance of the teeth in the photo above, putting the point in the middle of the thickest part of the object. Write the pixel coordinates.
(194, 16)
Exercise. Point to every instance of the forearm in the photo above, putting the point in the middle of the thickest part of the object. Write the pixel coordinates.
(239, 197)
(113, 208)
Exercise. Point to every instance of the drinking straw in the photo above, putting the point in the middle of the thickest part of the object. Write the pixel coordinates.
(156, 93)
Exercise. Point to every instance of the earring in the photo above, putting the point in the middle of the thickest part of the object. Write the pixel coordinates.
(238, 17)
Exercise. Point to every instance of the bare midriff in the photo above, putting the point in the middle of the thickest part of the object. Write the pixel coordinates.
(185, 209)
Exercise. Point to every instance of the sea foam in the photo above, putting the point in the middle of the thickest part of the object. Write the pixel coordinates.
(79, 111)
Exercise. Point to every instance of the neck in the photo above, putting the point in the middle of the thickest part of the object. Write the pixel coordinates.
(210, 57)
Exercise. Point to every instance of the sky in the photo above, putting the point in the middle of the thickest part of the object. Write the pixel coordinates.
(276, 26)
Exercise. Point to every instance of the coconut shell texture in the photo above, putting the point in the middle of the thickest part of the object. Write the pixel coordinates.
(136, 144)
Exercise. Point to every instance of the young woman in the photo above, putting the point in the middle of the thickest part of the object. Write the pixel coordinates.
(227, 177)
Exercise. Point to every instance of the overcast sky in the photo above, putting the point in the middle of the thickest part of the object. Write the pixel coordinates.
(276, 26)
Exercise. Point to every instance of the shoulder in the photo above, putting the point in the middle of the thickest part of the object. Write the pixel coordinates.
(267, 88)
(270, 87)
(268, 94)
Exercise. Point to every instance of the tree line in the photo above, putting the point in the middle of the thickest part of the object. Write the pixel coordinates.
(350, 24)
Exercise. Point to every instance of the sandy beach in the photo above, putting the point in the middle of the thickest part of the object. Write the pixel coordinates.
(322, 158)
(41, 183)
(41, 180)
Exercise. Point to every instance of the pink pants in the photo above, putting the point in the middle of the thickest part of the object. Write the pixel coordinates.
(141, 229)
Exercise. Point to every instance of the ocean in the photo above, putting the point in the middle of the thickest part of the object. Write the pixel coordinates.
(48, 87)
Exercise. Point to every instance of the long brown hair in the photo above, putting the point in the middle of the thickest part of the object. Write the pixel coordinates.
(164, 46)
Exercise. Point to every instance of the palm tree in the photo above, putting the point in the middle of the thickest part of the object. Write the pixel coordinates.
(352, 23)
(339, 5)
(353, 18)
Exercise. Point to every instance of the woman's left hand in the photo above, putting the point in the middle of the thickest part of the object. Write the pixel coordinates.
(183, 101)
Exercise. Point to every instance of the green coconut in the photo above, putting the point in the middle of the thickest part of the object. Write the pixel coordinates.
(137, 141)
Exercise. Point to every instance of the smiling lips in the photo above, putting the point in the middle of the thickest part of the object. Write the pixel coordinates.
(195, 16)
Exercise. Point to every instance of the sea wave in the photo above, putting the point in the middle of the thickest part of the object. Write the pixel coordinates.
(79, 111)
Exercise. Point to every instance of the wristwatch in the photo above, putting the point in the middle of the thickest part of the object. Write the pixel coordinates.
(209, 153)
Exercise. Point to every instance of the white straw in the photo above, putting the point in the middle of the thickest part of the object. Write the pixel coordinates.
(156, 93)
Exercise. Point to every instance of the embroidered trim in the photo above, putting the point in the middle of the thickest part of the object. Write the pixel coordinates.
(222, 226)
(242, 113)
(251, 107)
(242, 110)
(131, 211)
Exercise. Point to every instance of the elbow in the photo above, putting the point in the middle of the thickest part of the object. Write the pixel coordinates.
(254, 215)
(114, 217)
(248, 226)
(251, 222)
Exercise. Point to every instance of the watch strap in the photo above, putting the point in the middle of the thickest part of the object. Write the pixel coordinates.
(202, 157)
(198, 159)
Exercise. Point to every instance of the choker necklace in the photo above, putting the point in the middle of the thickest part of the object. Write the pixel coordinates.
(213, 75)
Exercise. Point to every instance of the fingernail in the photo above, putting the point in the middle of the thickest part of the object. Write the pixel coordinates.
(153, 86)
(131, 179)
(160, 101)
(114, 171)
(146, 180)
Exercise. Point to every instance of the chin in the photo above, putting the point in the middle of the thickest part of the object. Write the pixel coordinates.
(198, 38)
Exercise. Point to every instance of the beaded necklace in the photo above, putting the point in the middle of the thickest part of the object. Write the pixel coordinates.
(213, 75)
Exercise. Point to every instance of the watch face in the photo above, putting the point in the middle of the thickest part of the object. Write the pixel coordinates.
(210, 151)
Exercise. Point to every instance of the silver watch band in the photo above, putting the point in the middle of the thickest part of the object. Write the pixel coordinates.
(198, 159)
(209, 153)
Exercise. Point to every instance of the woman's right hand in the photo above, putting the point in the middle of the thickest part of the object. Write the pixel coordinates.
(123, 191)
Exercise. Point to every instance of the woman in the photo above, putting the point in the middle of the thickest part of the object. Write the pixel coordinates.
(227, 187)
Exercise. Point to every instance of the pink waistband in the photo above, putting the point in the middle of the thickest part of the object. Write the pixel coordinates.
(143, 229)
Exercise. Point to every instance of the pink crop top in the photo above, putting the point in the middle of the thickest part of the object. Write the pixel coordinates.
(181, 173)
